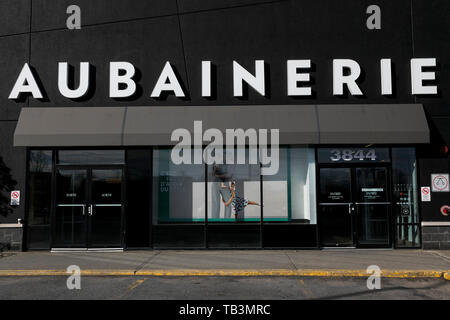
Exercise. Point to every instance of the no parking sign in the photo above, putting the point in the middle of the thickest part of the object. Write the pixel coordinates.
(426, 194)
(15, 197)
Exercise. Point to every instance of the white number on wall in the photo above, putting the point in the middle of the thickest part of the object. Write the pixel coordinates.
(336, 155)
(371, 155)
(349, 155)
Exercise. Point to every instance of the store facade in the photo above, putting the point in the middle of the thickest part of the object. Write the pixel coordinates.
(307, 204)
(355, 122)
(318, 193)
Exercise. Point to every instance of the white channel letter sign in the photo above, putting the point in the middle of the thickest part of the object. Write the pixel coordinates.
(345, 76)
(439, 182)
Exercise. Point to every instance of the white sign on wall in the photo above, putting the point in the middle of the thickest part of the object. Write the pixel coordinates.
(439, 182)
(426, 194)
(15, 197)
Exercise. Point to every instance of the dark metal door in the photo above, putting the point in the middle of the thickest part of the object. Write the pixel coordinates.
(335, 207)
(89, 210)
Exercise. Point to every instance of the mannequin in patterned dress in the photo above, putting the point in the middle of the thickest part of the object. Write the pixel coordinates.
(238, 203)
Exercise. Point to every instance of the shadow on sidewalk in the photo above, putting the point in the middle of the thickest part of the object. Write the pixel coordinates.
(374, 292)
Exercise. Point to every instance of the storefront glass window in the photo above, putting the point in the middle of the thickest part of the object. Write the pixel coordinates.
(178, 190)
(85, 157)
(181, 199)
(40, 192)
(138, 175)
(40, 181)
(290, 194)
(404, 176)
(243, 180)
(407, 235)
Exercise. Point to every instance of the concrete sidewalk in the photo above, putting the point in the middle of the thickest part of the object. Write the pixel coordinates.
(333, 262)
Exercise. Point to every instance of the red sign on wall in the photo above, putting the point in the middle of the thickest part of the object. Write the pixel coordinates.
(15, 197)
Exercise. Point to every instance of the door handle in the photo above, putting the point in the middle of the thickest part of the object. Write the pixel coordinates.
(351, 208)
(90, 210)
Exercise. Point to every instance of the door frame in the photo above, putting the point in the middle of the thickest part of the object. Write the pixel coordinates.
(342, 204)
(352, 167)
(388, 202)
(88, 197)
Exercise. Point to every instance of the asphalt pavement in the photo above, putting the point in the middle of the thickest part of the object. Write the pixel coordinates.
(220, 288)
(226, 274)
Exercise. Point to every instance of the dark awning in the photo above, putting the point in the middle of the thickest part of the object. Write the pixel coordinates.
(297, 124)
(84, 126)
(373, 123)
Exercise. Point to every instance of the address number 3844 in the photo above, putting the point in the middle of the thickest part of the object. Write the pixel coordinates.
(349, 155)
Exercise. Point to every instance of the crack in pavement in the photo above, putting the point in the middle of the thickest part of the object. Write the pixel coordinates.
(401, 288)
(291, 261)
(437, 254)
(143, 264)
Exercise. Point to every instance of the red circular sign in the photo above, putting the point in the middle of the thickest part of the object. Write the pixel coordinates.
(15, 194)
(445, 210)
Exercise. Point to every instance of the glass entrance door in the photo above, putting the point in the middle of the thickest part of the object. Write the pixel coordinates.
(70, 216)
(105, 209)
(335, 207)
(354, 207)
(89, 208)
(372, 206)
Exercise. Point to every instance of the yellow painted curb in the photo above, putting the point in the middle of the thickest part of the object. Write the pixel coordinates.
(236, 273)
(300, 273)
(33, 273)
